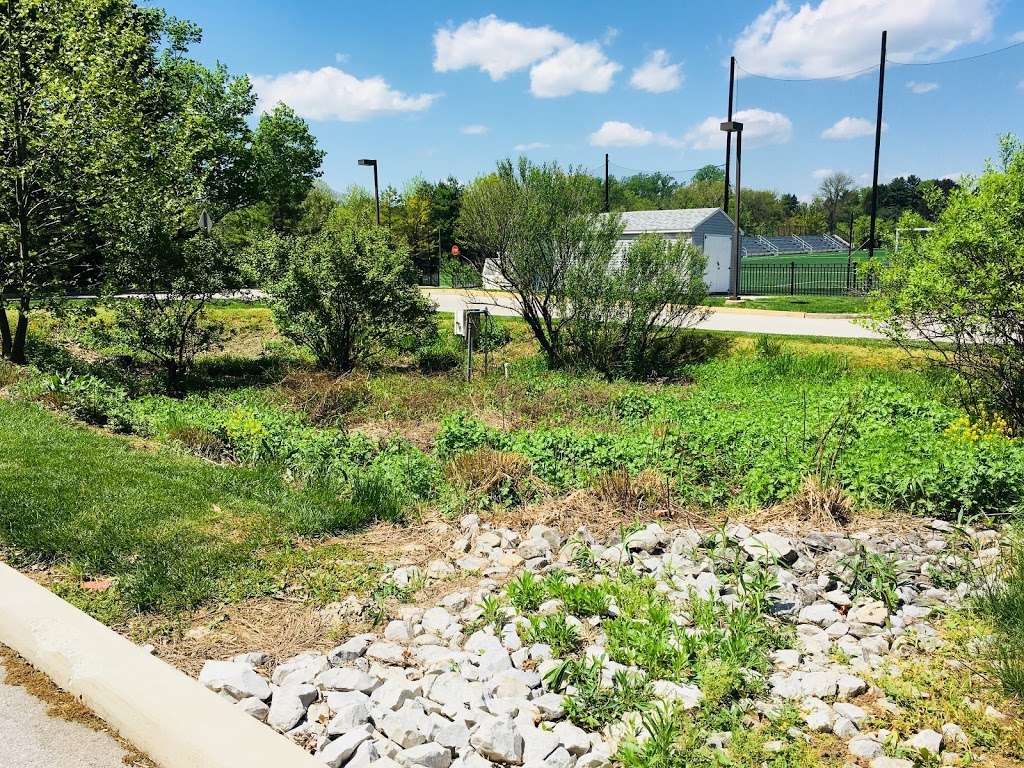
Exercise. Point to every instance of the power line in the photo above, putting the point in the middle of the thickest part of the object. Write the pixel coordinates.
(843, 76)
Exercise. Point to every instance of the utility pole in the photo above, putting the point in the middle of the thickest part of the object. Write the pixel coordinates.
(730, 127)
(728, 135)
(878, 146)
(606, 207)
(376, 186)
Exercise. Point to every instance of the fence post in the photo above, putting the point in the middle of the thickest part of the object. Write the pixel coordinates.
(792, 278)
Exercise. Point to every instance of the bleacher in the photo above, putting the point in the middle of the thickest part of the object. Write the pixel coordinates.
(791, 244)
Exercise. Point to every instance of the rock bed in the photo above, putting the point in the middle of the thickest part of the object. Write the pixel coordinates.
(435, 689)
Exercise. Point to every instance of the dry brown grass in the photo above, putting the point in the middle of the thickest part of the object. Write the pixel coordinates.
(61, 704)
(325, 399)
(482, 471)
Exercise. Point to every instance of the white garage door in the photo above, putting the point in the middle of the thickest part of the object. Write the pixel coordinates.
(718, 250)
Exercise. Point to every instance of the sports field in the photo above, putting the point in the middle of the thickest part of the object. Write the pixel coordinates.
(830, 257)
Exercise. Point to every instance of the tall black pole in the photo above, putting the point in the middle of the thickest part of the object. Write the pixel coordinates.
(878, 147)
(728, 136)
(606, 208)
(376, 191)
(734, 272)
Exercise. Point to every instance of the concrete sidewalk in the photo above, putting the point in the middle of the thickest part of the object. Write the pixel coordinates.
(32, 738)
(719, 319)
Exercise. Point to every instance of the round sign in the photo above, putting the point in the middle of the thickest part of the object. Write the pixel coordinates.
(455, 250)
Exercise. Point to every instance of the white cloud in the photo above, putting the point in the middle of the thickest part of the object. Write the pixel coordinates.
(341, 58)
(558, 64)
(836, 37)
(851, 128)
(614, 133)
(1017, 37)
(474, 130)
(530, 145)
(495, 46)
(580, 67)
(821, 173)
(760, 128)
(919, 88)
(332, 94)
(657, 75)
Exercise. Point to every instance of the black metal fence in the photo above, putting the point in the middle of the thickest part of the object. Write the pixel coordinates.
(792, 278)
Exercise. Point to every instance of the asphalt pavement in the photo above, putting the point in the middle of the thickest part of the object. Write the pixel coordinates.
(32, 738)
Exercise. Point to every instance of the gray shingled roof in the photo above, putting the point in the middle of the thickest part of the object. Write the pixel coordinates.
(677, 220)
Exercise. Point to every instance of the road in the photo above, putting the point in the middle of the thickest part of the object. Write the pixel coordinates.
(32, 738)
(719, 319)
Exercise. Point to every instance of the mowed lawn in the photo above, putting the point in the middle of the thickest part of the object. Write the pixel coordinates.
(168, 531)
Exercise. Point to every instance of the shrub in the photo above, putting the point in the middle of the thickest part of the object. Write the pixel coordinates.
(442, 353)
(632, 310)
(349, 294)
(960, 290)
(496, 477)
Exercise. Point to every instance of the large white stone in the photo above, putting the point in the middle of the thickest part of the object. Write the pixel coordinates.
(498, 739)
(237, 679)
(347, 679)
(336, 753)
(430, 755)
(771, 546)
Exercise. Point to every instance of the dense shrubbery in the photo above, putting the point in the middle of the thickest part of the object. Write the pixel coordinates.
(753, 432)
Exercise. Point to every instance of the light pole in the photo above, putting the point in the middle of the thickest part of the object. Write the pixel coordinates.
(376, 187)
(731, 127)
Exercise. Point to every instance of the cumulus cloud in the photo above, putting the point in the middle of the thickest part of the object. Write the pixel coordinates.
(919, 88)
(495, 46)
(657, 74)
(330, 93)
(558, 64)
(530, 145)
(851, 128)
(835, 37)
(1017, 37)
(760, 128)
(821, 173)
(615, 133)
(474, 130)
(580, 67)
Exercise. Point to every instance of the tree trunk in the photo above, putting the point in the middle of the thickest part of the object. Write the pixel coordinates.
(5, 331)
(20, 334)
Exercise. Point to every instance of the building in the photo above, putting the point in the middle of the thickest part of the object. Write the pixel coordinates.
(709, 229)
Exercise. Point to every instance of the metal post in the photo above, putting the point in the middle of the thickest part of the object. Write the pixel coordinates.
(735, 282)
(792, 278)
(376, 191)
(728, 136)
(849, 253)
(878, 146)
(606, 208)
(469, 346)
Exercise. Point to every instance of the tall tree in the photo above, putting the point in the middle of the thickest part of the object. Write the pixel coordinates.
(834, 192)
(287, 161)
(74, 93)
(709, 173)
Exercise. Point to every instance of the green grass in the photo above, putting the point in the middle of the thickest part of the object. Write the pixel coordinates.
(1001, 602)
(171, 530)
(830, 257)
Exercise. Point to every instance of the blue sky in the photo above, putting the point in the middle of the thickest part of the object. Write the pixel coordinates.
(439, 88)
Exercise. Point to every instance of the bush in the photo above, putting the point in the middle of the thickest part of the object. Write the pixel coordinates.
(442, 353)
(961, 289)
(632, 311)
(349, 294)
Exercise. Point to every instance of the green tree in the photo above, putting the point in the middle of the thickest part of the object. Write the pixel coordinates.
(348, 294)
(536, 224)
(960, 290)
(709, 173)
(286, 160)
(835, 192)
(74, 97)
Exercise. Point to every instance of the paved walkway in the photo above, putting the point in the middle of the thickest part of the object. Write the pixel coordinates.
(31, 738)
(720, 319)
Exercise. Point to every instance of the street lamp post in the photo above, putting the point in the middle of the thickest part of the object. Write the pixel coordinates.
(376, 187)
(731, 127)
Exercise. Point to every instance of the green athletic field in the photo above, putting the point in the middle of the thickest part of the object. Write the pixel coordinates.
(832, 257)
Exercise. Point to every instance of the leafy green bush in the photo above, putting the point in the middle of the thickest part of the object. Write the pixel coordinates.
(442, 353)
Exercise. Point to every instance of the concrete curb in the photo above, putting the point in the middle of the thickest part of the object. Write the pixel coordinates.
(164, 713)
